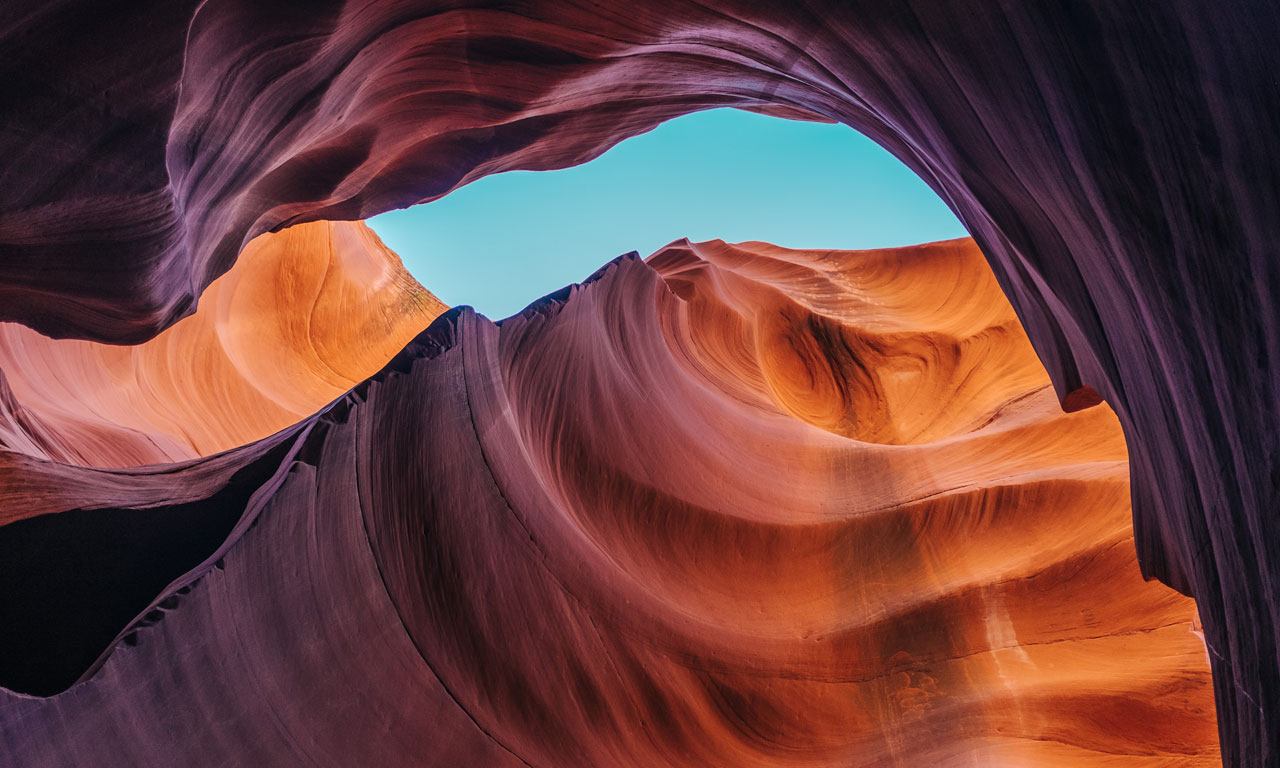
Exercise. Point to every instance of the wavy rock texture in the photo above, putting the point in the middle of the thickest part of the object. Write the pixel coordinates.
(1110, 158)
(305, 315)
(735, 506)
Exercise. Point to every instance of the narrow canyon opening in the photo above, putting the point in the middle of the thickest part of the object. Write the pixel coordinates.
(503, 241)
(931, 510)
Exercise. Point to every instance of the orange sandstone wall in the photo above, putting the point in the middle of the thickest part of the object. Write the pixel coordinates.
(735, 505)
(306, 313)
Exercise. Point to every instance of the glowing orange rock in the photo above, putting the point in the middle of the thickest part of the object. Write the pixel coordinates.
(737, 505)
(306, 314)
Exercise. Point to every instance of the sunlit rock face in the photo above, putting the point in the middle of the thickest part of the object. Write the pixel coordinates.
(733, 505)
(1110, 159)
(305, 314)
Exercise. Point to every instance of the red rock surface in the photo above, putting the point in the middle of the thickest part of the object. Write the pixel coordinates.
(305, 315)
(738, 505)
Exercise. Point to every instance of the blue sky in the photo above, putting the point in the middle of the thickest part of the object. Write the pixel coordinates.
(505, 240)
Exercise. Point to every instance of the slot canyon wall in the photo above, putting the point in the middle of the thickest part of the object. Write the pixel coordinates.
(306, 314)
(1109, 159)
(546, 542)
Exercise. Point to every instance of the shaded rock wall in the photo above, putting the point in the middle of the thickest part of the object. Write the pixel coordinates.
(657, 519)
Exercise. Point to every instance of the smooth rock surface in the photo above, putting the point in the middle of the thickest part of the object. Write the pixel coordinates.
(305, 315)
(736, 506)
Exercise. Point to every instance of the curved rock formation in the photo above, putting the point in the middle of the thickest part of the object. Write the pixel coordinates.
(1108, 157)
(305, 315)
(735, 506)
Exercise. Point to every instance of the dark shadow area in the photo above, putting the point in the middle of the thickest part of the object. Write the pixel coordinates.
(70, 582)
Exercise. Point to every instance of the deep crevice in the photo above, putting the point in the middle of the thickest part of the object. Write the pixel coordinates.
(71, 581)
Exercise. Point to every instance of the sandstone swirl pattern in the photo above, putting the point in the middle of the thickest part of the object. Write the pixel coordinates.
(735, 505)
(1110, 158)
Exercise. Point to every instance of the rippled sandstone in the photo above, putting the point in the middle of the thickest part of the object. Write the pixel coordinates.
(1110, 159)
(735, 505)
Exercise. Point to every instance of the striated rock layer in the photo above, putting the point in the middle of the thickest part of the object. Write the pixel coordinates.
(737, 505)
(1110, 158)
(305, 315)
